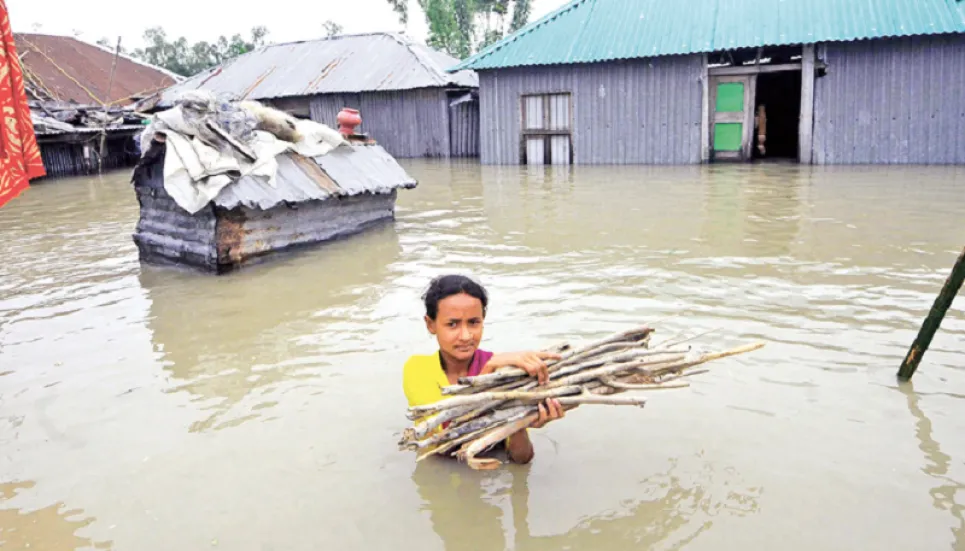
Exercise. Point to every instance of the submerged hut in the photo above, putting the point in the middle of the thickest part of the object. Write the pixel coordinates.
(80, 96)
(408, 100)
(646, 82)
(305, 199)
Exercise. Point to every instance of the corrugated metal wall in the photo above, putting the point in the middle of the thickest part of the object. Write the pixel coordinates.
(312, 222)
(464, 129)
(410, 123)
(896, 101)
(167, 234)
(67, 159)
(634, 112)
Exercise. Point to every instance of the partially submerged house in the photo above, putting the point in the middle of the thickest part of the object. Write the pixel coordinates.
(201, 208)
(656, 82)
(80, 96)
(406, 97)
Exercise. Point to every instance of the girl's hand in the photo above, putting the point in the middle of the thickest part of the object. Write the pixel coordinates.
(549, 410)
(533, 363)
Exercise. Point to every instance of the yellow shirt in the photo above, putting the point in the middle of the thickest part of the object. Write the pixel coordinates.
(423, 380)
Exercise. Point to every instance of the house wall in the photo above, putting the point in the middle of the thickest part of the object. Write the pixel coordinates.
(166, 234)
(633, 112)
(409, 123)
(65, 159)
(464, 129)
(894, 101)
(298, 106)
(250, 233)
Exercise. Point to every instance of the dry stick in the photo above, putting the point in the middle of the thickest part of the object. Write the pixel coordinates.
(611, 382)
(443, 448)
(633, 335)
(675, 339)
(602, 400)
(610, 369)
(487, 421)
(423, 428)
(489, 439)
(484, 397)
(607, 354)
(615, 358)
(704, 358)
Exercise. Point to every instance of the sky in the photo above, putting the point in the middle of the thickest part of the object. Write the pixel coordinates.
(286, 20)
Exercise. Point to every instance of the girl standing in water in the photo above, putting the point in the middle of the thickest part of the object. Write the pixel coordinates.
(455, 311)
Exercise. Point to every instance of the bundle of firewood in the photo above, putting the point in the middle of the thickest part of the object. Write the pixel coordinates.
(481, 411)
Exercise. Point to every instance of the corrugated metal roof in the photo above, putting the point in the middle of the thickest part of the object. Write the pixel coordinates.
(350, 63)
(586, 31)
(350, 170)
(70, 70)
(88, 130)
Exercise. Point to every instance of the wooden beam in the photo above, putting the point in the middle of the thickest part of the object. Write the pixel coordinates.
(750, 99)
(806, 121)
(753, 69)
(934, 319)
(705, 112)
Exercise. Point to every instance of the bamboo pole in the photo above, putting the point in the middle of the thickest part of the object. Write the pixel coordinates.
(934, 319)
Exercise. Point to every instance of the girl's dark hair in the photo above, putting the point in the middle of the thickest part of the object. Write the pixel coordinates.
(448, 285)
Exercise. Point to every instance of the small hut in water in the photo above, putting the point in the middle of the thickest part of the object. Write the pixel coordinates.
(233, 217)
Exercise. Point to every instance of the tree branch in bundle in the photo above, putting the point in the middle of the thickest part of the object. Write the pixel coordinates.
(483, 410)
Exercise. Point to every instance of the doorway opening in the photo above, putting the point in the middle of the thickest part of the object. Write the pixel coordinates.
(778, 96)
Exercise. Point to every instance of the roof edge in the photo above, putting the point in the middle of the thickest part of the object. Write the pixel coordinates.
(622, 58)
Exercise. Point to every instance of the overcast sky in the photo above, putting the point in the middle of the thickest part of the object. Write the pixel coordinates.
(287, 20)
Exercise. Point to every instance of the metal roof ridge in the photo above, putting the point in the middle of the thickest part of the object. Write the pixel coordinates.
(407, 44)
(330, 38)
(495, 46)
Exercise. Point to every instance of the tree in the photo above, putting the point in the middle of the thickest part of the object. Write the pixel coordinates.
(111, 45)
(186, 59)
(332, 29)
(463, 27)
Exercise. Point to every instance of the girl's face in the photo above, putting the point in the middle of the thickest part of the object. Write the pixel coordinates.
(458, 326)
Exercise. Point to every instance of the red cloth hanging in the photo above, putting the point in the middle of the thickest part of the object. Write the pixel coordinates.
(20, 159)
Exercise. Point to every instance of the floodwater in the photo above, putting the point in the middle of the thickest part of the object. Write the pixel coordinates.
(148, 409)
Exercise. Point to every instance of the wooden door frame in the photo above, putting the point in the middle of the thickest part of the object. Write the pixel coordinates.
(746, 118)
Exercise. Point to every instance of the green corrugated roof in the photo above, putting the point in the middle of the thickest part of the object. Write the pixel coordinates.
(586, 31)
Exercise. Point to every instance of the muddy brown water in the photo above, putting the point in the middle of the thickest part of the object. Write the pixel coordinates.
(147, 409)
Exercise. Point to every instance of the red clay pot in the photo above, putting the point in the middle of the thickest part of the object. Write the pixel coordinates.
(348, 119)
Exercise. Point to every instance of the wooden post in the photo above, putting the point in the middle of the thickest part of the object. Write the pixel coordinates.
(806, 123)
(705, 113)
(934, 319)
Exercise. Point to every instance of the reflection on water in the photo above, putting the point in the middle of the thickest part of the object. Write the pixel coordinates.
(51, 527)
(248, 335)
(468, 509)
(938, 466)
(260, 410)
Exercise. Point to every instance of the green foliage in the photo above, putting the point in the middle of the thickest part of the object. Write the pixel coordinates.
(463, 27)
(186, 59)
(332, 29)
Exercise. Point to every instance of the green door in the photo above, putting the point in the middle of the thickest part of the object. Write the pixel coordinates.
(732, 101)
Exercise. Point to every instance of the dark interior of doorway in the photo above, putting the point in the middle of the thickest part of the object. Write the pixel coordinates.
(780, 94)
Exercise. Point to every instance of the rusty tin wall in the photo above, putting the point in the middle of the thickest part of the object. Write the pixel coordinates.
(244, 234)
(895, 101)
(630, 112)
